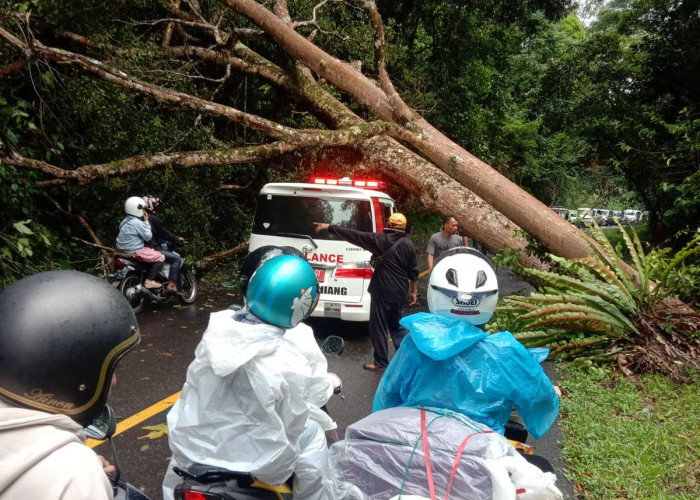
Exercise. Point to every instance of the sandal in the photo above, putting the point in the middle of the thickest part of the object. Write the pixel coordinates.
(151, 284)
(373, 367)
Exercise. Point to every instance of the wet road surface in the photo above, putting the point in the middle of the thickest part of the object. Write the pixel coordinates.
(155, 372)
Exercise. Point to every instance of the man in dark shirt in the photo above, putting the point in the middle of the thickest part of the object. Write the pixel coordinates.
(396, 266)
(163, 240)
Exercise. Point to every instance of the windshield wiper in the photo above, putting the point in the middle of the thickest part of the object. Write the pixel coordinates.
(295, 235)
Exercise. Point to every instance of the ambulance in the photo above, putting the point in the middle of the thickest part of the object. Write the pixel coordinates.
(285, 215)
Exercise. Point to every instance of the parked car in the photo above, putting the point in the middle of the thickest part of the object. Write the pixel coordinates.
(573, 218)
(563, 211)
(603, 216)
(585, 215)
(632, 216)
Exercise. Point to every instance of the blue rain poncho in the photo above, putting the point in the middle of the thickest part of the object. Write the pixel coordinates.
(449, 363)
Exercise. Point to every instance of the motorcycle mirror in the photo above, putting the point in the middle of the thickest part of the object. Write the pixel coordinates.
(104, 425)
(333, 345)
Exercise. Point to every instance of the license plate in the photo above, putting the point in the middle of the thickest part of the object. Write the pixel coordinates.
(320, 274)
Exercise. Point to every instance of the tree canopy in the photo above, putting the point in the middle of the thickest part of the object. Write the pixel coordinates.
(201, 102)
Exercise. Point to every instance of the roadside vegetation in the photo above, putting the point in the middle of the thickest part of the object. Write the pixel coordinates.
(630, 440)
(629, 362)
(603, 309)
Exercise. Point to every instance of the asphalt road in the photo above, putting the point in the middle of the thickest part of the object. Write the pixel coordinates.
(156, 371)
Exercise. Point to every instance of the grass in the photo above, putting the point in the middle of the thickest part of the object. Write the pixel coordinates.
(625, 441)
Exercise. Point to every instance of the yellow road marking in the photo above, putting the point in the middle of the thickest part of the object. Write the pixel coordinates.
(136, 419)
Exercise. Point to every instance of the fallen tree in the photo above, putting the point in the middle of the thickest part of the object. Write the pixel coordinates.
(399, 143)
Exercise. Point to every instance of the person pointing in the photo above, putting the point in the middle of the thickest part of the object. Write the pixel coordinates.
(395, 266)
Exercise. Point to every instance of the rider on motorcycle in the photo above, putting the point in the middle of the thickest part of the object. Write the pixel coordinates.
(134, 234)
(487, 374)
(162, 237)
(61, 336)
(445, 392)
(251, 395)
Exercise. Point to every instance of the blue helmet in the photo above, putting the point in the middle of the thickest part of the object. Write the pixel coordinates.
(283, 291)
(255, 259)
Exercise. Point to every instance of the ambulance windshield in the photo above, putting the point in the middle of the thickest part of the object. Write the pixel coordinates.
(277, 214)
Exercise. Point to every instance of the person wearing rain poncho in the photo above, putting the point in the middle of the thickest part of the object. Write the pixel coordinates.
(451, 363)
(450, 383)
(251, 401)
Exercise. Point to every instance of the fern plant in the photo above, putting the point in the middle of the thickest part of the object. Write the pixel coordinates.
(601, 308)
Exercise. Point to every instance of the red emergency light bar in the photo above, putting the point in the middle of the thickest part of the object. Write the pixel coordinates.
(346, 181)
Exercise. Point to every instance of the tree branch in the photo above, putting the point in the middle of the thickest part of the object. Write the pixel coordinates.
(306, 137)
(344, 76)
(14, 65)
(205, 261)
(403, 112)
(181, 160)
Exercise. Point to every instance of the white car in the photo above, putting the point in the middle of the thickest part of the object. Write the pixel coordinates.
(585, 215)
(632, 216)
(285, 215)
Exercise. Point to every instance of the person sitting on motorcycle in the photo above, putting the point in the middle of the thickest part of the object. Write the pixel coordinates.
(249, 397)
(163, 241)
(61, 337)
(134, 232)
(447, 361)
(162, 237)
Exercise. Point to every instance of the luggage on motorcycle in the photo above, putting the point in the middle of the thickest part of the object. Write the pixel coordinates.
(206, 482)
(383, 455)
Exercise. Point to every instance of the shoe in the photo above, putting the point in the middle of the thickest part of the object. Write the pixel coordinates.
(373, 367)
(151, 284)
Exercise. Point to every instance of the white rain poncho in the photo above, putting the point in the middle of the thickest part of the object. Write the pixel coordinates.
(251, 403)
(383, 455)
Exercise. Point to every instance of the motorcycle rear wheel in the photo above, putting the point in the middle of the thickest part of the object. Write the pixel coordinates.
(136, 300)
(188, 286)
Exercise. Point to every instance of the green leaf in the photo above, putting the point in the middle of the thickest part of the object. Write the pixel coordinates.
(21, 227)
(47, 76)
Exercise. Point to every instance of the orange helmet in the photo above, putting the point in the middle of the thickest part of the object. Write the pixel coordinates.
(397, 221)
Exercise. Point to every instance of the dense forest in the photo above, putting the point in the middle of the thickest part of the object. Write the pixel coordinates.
(201, 102)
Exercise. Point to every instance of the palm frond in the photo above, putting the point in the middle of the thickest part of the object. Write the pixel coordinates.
(610, 256)
(605, 273)
(601, 289)
(637, 254)
(692, 248)
(579, 322)
(596, 313)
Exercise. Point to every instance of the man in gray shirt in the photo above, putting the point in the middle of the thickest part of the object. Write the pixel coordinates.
(444, 240)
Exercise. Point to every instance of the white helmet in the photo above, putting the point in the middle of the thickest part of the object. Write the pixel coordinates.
(463, 285)
(134, 206)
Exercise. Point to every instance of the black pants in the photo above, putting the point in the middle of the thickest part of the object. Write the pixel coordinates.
(153, 270)
(384, 319)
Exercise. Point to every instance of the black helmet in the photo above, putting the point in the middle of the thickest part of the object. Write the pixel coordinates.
(61, 336)
(256, 258)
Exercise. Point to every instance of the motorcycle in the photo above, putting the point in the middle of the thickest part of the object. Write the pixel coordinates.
(103, 427)
(206, 482)
(131, 274)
